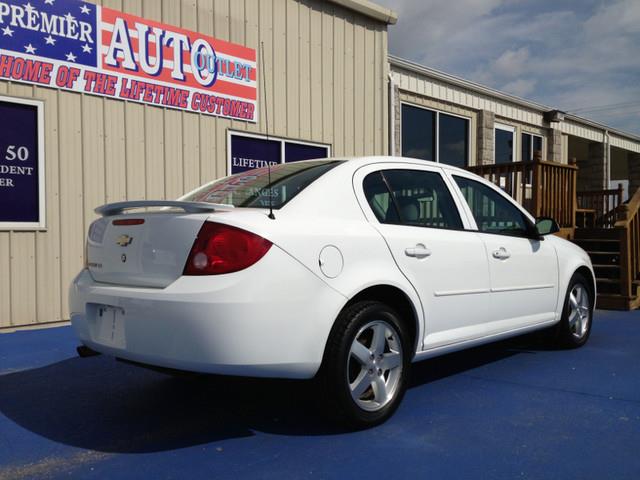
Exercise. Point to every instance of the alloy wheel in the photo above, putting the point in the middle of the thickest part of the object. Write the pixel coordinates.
(374, 366)
(580, 311)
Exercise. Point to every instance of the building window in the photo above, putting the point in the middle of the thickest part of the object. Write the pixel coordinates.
(530, 143)
(505, 148)
(436, 136)
(22, 169)
(418, 133)
(248, 151)
(453, 140)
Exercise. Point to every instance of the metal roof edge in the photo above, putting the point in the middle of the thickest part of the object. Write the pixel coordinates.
(370, 9)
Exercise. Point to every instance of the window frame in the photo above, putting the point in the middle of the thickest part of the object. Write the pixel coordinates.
(437, 130)
(532, 135)
(361, 173)
(283, 141)
(514, 143)
(41, 224)
(528, 218)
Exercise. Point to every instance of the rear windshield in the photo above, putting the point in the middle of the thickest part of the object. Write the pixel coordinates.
(252, 188)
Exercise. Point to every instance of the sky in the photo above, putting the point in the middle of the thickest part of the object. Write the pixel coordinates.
(580, 56)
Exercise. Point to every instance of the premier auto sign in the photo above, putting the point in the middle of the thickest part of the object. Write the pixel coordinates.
(86, 48)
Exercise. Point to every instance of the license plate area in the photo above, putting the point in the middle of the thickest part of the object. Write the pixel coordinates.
(109, 325)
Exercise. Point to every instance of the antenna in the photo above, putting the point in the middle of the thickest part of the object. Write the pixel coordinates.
(266, 121)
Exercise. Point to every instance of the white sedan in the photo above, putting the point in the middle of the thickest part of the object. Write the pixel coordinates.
(346, 271)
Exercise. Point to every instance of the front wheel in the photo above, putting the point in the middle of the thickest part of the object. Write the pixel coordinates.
(574, 328)
(366, 364)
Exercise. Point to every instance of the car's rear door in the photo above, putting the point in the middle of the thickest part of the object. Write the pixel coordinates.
(523, 268)
(414, 210)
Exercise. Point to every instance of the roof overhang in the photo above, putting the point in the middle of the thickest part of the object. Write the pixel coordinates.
(370, 9)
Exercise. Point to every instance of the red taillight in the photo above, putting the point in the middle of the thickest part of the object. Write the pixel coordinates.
(224, 249)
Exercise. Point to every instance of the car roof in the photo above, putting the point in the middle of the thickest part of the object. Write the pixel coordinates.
(357, 162)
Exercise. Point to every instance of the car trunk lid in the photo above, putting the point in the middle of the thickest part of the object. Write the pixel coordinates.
(147, 249)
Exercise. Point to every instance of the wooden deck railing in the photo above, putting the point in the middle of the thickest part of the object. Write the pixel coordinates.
(628, 226)
(599, 206)
(543, 188)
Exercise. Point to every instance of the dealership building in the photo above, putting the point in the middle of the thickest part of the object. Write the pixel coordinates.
(143, 99)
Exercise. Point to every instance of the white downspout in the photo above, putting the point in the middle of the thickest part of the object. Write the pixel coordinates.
(607, 157)
(392, 116)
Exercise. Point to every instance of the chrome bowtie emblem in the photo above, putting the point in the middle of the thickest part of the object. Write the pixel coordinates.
(124, 240)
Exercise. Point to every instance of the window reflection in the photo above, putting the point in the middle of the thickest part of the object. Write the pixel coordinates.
(453, 137)
(418, 133)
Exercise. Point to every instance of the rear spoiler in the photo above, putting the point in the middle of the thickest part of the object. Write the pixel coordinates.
(190, 207)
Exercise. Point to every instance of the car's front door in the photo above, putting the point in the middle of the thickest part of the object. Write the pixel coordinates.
(419, 218)
(523, 268)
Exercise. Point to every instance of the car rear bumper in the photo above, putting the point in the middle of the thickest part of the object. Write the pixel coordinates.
(270, 320)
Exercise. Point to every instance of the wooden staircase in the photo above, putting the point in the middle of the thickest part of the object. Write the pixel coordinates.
(614, 249)
(604, 247)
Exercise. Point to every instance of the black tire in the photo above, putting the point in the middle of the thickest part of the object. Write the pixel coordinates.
(565, 332)
(339, 365)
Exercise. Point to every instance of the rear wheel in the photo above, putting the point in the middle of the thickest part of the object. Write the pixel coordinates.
(366, 365)
(574, 328)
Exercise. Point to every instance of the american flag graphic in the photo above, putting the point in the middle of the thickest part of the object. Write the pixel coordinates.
(55, 29)
(80, 46)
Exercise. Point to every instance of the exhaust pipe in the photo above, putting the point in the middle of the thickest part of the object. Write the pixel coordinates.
(84, 351)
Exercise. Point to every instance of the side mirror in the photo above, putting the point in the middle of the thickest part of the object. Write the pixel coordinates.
(546, 226)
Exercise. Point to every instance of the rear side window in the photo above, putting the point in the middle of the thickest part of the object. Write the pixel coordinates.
(253, 189)
(411, 197)
(492, 212)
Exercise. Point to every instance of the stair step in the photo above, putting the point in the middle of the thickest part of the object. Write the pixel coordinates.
(599, 240)
(609, 301)
(607, 280)
(585, 233)
(608, 285)
(601, 245)
(607, 271)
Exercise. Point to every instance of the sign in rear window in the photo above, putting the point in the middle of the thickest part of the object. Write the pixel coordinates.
(21, 182)
(249, 151)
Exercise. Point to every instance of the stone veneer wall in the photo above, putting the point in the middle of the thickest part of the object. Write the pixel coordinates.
(554, 146)
(486, 121)
(593, 173)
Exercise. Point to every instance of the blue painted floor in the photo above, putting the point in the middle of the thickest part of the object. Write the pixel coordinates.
(509, 410)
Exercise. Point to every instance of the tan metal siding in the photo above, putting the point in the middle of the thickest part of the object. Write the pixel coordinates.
(411, 82)
(326, 81)
(624, 143)
(572, 128)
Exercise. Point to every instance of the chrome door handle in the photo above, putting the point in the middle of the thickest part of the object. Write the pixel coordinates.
(501, 254)
(419, 251)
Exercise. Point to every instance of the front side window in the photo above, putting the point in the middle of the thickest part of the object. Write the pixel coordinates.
(492, 212)
(411, 197)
